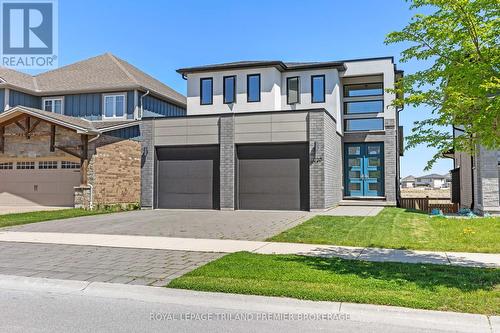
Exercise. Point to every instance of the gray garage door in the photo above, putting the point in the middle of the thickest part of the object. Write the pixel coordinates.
(273, 177)
(188, 177)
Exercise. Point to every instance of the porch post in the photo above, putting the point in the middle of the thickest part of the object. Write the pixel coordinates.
(84, 160)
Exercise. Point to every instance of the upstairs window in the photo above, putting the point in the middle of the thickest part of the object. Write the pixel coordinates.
(206, 91)
(364, 107)
(114, 106)
(362, 90)
(229, 89)
(53, 105)
(292, 90)
(317, 89)
(253, 88)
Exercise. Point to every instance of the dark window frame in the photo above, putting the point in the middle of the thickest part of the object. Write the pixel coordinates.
(248, 86)
(361, 101)
(361, 84)
(312, 88)
(288, 91)
(364, 130)
(211, 92)
(224, 89)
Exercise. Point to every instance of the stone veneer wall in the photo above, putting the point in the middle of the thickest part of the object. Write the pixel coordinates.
(333, 163)
(486, 181)
(115, 171)
(18, 147)
(147, 163)
(227, 163)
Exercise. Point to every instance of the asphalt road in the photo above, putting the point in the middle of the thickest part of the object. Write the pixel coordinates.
(35, 305)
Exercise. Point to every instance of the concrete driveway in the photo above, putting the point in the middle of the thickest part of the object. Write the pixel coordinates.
(242, 225)
(134, 265)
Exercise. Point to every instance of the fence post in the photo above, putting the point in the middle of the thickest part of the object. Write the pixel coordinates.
(426, 204)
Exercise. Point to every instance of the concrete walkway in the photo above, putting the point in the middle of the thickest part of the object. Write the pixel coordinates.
(79, 306)
(230, 246)
(353, 211)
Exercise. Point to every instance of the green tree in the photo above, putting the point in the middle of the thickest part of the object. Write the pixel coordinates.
(460, 39)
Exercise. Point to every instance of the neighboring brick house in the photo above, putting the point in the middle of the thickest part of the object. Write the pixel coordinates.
(475, 179)
(71, 136)
(275, 135)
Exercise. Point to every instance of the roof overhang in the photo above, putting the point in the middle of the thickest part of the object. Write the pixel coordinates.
(19, 110)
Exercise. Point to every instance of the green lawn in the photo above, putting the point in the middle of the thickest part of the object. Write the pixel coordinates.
(399, 229)
(8, 220)
(422, 286)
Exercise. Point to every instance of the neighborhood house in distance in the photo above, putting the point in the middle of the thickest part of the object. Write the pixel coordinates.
(267, 135)
(429, 181)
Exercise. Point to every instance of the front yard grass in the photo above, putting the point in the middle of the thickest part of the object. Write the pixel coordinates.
(8, 220)
(398, 228)
(423, 286)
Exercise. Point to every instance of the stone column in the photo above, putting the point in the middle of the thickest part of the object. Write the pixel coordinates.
(227, 162)
(316, 161)
(390, 160)
(147, 163)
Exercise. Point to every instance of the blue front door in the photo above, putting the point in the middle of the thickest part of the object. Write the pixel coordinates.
(364, 169)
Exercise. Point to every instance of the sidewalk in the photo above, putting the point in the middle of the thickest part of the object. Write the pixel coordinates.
(230, 246)
(116, 307)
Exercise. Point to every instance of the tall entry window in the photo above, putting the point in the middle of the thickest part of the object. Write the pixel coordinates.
(317, 89)
(292, 90)
(229, 89)
(206, 91)
(253, 88)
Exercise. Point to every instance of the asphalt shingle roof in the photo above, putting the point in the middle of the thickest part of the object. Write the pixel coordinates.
(101, 73)
(72, 122)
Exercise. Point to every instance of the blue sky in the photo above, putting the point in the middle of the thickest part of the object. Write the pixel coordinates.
(161, 36)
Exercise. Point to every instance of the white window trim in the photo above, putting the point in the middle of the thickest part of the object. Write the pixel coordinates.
(124, 95)
(57, 98)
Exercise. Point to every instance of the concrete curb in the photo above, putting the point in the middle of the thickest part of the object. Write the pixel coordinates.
(361, 313)
(231, 246)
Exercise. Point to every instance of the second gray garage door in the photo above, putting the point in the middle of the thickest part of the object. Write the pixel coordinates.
(188, 177)
(273, 177)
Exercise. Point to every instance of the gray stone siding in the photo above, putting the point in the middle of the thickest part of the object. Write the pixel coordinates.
(147, 163)
(333, 163)
(325, 169)
(487, 181)
(227, 163)
(390, 160)
(316, 161)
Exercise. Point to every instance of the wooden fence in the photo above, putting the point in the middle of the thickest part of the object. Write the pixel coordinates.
(427, 204)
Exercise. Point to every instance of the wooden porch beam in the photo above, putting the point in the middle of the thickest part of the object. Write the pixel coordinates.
(84, 159)
(52, 138)
(2, 139)
(20, 126)
(33, 127)
(68, 150)
(28, 125)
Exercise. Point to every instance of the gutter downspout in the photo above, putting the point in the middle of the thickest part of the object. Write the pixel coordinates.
(142, 103)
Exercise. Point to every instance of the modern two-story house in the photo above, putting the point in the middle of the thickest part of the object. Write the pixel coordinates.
(278, 136)
(71, 136)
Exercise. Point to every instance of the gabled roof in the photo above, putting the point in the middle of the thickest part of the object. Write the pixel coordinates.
(433, 176)
(409, 178)
(105, 72)
(78, 124)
